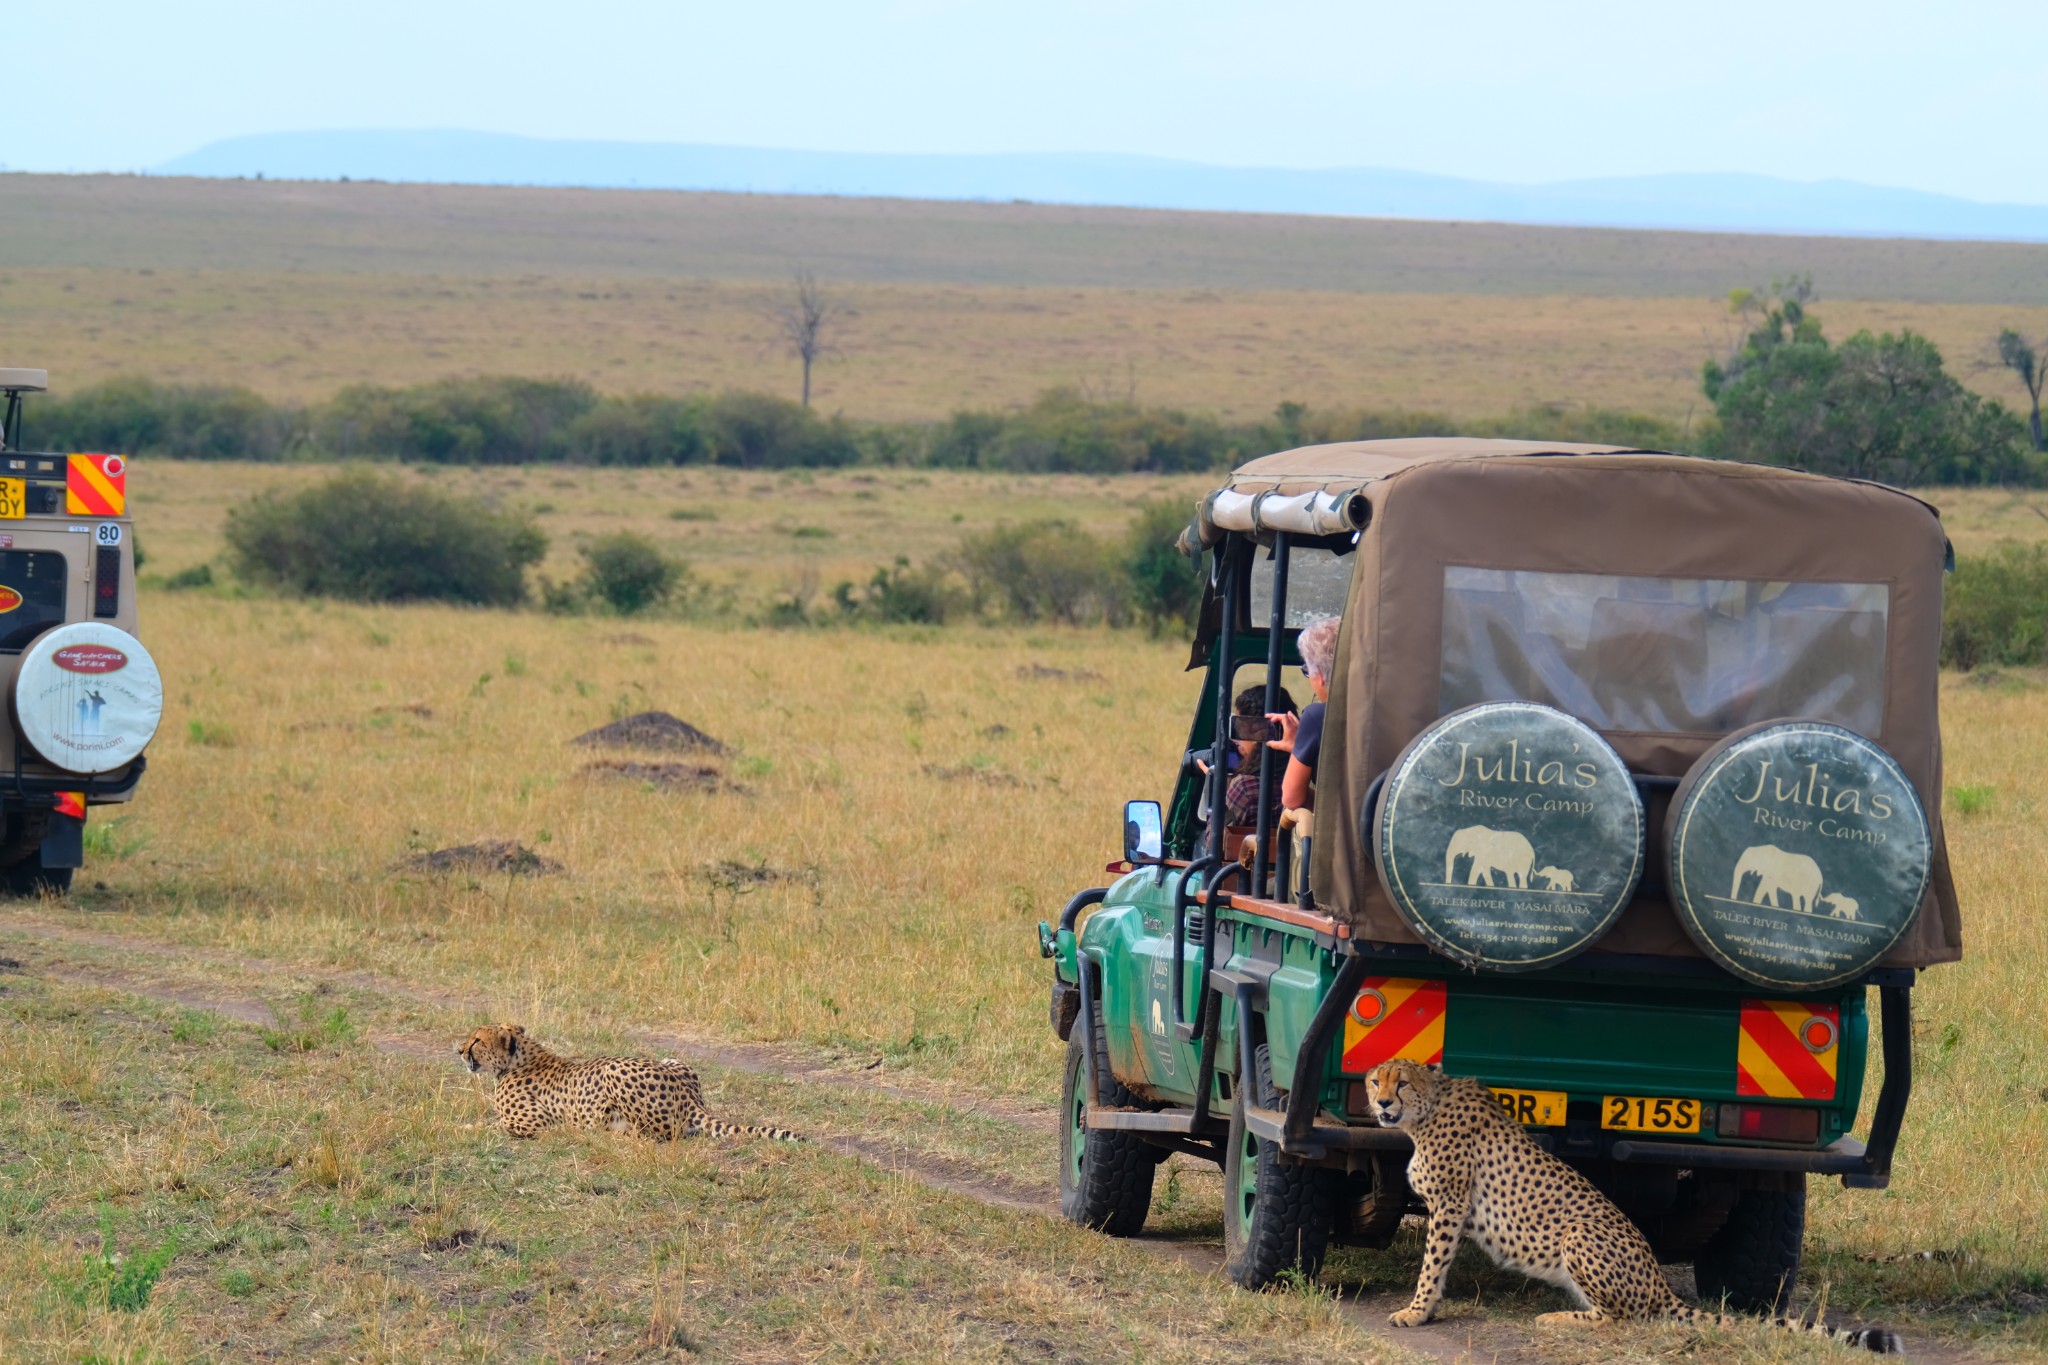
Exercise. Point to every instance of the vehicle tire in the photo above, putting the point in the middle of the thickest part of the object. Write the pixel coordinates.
(1753, 1261)
(1372, 1202)
(1277, 1215)
(32, 879)
(1105, 1176)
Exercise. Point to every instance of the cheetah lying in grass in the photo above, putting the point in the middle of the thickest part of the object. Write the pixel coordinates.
(1483, 1177)
(536, 1089)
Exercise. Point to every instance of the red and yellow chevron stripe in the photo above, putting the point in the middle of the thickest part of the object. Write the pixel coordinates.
(71, 804)
(1787, 1050)
(96, 486)
(1393, 1017)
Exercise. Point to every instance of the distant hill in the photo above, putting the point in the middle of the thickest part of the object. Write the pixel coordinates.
(1739, 203)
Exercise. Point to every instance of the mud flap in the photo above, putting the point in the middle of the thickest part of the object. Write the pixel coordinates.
(64, 841)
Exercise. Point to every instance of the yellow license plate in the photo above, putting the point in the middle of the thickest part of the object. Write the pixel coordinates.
(13, 499)
(1533, 1108)
(1635, 1114)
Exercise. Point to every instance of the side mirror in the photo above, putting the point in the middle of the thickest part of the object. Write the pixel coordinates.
(1144, 841)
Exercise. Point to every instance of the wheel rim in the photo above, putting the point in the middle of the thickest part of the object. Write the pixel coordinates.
(1245, 1179)
(1077, 1130)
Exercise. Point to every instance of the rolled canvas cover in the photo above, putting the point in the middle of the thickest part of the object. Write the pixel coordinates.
(88, 697)
(1630, 514)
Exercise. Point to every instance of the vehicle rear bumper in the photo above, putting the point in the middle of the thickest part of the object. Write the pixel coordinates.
(1846, 1156)
(39, 791)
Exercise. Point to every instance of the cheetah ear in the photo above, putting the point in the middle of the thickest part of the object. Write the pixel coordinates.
(516, 1030)
(1436, 1068)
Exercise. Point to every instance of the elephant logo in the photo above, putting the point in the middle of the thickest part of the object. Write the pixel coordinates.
(1158, 1020)
(1555, 878)
(1839, 905)
(1489, 851)
(1777, 872)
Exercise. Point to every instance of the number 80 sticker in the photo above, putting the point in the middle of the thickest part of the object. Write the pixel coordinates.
(108, 533)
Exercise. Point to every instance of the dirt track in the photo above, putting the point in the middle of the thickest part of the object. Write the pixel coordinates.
(1474, 1341)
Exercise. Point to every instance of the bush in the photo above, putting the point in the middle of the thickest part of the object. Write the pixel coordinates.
(130, 416)
(1047, 570)
(760, 431)
(902, 595)
(500, 420)
(629, 573)
(374, 538)
(642, 429)
(1164, 586)
(1996, 608)
(1064, 432)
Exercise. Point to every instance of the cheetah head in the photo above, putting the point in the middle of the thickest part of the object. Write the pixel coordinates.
(496, 1048)
(1403, 1094)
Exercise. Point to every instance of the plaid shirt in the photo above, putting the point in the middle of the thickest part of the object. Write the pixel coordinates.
(1241, 799)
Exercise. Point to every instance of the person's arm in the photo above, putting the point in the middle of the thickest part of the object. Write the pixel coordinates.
(1297, 785)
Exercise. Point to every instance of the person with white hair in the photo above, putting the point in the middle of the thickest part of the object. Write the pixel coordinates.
(1302, 738)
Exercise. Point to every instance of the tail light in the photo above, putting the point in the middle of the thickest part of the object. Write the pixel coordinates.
(1769, 1123)
(106, 581)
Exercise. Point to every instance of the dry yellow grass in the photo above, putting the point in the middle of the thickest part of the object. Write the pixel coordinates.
(918, 350)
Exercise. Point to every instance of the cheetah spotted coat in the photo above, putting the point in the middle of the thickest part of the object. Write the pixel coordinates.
(1483, 1177)
(536, 1090)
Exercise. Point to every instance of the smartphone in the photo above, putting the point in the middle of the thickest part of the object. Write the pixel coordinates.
(1254, 728)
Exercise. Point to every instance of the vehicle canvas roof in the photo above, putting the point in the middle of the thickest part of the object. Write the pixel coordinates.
(1425, 505)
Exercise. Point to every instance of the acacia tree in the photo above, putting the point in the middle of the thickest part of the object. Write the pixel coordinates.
(2022, 357)
(1876, 407)
(804, 322)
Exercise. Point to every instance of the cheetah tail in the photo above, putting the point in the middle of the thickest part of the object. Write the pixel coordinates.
(1877, 1340)
(719, 1128)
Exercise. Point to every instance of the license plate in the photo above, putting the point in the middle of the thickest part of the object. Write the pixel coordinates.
(1533, 1108)
(13, 499)
(1635, 1114)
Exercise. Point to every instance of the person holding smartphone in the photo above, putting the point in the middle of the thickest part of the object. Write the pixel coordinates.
(1251, 729)
(1301, 738)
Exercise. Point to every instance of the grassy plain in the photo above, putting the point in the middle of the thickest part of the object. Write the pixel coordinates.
(898, 809)
(296, 290)
(768, 535)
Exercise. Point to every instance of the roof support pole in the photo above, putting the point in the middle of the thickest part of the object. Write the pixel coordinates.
(1276, 629)
(1232, 563)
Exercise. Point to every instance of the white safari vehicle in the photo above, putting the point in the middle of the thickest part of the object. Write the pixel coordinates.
(84, 696)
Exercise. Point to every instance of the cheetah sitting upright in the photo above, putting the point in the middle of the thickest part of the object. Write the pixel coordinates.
(1483, 1177)
(536, 1090)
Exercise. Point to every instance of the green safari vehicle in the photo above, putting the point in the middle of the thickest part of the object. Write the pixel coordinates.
(1625, 804)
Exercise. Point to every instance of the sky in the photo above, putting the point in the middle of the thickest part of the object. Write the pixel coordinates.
(1946, 98)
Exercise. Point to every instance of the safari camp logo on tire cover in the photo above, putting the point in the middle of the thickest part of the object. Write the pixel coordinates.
(1509, 835)
(1799, 853)
(88, 697)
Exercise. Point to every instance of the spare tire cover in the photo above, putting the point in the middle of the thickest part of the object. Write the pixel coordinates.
(1509, 835)
(88, 697)
(1798, 853)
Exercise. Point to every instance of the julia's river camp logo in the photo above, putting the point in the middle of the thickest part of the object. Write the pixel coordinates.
(1509, 835)
(1799, 854)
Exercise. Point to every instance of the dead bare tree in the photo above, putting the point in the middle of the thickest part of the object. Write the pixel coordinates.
(2025, 359)
(804, 322)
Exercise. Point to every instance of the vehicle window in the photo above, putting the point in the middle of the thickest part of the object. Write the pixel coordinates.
(1665, 655)
(1317, 580)
(31, 595)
